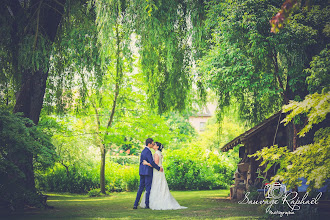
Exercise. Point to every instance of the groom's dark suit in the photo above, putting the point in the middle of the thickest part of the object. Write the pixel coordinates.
(145, 175)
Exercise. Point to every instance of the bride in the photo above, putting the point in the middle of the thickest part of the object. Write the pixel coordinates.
(160, 196)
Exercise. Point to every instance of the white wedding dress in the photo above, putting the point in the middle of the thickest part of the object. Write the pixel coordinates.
(160, 196)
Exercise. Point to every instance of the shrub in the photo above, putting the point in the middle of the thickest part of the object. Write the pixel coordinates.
(94, 192)
(121, 178)
(189, 168)
(78, 179)
(19, 138)
(125, 160)
(85, 176)
(197, 168)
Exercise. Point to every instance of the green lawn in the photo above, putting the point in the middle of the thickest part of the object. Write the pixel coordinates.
(209, 204)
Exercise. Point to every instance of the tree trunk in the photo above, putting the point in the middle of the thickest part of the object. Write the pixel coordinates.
(67, 169)
(102, 150)
(295, 137)
(119, 76)
(102, 169)
(290, 138)
(287, 95)
(29, 99)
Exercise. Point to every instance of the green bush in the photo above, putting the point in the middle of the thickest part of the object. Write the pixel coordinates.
(196, 168)
(83, 177)
(20, 138)
(121, 178)
(78, 179)
(185, 169)
(125, 160)
(94, 192)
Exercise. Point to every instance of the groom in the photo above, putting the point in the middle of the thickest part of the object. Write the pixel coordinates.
(146, 172)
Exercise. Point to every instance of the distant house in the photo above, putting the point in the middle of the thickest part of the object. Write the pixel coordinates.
(199, 120)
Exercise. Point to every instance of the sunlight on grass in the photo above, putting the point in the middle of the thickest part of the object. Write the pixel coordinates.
(78, 200)
(211, 204)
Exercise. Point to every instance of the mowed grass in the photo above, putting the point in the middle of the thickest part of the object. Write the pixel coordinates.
(210, 204)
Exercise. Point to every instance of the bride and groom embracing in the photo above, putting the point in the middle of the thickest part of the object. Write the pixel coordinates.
(152, 177)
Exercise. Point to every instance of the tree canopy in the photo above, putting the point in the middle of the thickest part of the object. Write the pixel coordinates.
(258, 69)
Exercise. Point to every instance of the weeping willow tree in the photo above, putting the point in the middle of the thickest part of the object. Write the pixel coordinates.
(90, 62)
(93, 57)
(81, 63)
(28, 31)
(75, 61)
(162, 31)
(169, 35)
(94, 42)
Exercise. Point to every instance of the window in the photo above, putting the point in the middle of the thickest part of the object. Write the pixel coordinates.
(202, 126)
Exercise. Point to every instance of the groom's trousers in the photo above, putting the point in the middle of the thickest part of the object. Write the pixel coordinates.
(145, 181)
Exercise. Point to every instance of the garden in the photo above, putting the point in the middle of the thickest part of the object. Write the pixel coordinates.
(84, 83)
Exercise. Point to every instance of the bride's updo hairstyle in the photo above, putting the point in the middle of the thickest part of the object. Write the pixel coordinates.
(160, 146)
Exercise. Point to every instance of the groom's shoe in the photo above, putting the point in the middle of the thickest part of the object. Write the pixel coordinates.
(147, 207)
(135, 207)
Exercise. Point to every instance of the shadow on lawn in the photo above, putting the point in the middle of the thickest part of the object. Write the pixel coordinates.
(202, 204)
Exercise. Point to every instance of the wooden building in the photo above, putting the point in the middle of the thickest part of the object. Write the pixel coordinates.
(268, 133)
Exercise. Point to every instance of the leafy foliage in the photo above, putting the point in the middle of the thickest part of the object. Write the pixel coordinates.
(180, 127)
(85, 176)
(319, 81)
(94, 192)
(168, 38)
(18, 135)
(277, 22)
(78, 179)
(198, 168)
(72, 148)
(253, 67)
(316, 106)
(186, 168)
(218, 134)
(75, 60)
(311, 161)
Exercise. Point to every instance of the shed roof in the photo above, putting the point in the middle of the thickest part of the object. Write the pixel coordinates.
(251, 132)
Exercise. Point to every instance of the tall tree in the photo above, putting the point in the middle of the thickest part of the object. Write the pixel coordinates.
(114, 24)
(258, 69)
(93, 55)
(32, 26)
(163, 29)
(31, 29)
